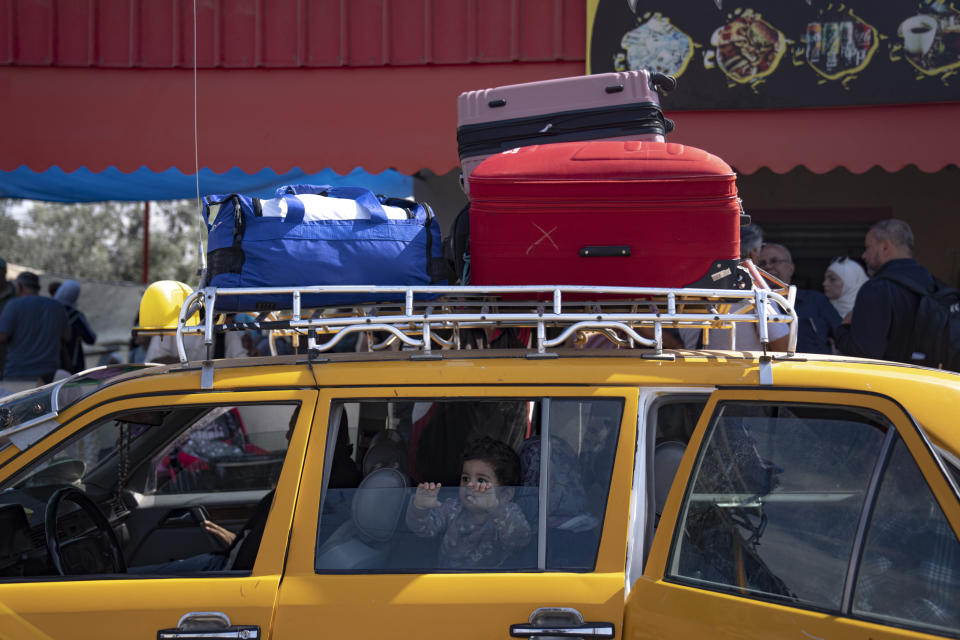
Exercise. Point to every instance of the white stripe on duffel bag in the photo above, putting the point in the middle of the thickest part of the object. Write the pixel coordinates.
(317, 207)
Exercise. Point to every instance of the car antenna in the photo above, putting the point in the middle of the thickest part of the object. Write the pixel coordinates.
(201, 254)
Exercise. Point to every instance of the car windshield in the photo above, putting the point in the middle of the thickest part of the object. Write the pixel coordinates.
(22, 408)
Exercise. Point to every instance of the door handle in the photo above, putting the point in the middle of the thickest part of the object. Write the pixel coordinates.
(586, 630)
(198, 625)
(561, 622)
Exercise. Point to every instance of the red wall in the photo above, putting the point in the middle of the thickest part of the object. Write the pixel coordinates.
(270, 34)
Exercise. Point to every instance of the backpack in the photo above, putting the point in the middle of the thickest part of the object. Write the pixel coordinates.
(936, 327)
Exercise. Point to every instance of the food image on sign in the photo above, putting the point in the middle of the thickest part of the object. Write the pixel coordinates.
(657, 46)
(931, 41)
(748, 47)
(837, 45)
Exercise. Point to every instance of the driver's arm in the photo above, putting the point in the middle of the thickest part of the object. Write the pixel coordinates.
(224, 535)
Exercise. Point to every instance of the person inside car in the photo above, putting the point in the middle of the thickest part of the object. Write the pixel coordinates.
(483, 526)
(240, 549)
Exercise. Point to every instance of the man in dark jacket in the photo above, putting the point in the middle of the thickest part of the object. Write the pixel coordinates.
(34, 328)
(881, 323)
(817, 318)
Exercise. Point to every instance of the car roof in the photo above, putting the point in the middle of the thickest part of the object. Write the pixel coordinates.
(925, 393)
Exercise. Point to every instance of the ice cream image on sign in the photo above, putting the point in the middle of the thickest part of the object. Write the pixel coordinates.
(657, 46)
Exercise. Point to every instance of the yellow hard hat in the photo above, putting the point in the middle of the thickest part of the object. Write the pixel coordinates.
(160, 306)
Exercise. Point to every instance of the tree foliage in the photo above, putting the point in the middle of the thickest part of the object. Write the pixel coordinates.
(102, 240)
(9, 228)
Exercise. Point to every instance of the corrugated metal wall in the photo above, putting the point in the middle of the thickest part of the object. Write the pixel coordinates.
(269, 34)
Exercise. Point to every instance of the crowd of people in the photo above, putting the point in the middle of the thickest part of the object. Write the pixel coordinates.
(41, 336)
(863, 311)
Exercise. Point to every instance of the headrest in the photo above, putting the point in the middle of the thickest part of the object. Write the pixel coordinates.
(666, 460)
(378, 503)
(387, 449)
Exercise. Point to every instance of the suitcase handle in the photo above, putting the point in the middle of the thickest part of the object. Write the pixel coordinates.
(663, 82)
(608, 251)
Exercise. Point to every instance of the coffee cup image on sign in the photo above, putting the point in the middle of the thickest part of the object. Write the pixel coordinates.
(918, 34)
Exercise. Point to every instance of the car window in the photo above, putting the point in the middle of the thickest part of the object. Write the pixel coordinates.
(79, 458)
(132, 467)
(774, 503)
(910, 569)
(229, 448)
(674, 419)
(455, 485)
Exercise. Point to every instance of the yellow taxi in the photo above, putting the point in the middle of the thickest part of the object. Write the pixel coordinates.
(436, 490)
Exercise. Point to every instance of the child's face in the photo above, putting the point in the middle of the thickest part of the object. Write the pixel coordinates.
(478, 487)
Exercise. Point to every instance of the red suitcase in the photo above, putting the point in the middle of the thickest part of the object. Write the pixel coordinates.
(611, 106)
(626, 213)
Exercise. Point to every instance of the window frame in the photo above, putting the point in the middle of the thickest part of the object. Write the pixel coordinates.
(903, 426)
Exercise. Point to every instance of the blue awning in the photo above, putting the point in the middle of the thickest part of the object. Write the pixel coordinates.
(83, 185)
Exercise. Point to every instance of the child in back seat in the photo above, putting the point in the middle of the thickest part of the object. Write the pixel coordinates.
(483, 526)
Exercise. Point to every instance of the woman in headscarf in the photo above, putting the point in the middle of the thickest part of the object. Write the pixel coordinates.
(841, 282)
(73, 360)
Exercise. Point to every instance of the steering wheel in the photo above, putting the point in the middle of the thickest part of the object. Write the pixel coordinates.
(56, 547)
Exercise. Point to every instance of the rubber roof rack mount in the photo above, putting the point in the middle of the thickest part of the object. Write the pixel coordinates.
(423, 316)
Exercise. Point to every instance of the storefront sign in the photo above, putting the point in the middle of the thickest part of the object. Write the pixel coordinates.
(783, 53)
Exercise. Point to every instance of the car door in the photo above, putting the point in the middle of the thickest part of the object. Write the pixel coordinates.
(147, 605)
(548, 555)
(803, 514)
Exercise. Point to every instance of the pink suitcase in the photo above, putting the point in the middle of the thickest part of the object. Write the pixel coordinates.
(611, 106)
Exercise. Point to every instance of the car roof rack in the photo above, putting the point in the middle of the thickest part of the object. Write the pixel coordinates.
(429, 319)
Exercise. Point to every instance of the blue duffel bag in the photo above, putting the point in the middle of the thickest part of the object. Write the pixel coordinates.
(318, 235)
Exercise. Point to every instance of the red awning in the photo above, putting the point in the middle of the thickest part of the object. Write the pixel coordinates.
(855, 138)
(391, 117)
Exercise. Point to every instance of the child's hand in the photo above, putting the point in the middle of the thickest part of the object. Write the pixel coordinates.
(481, 496)
(426, 497)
